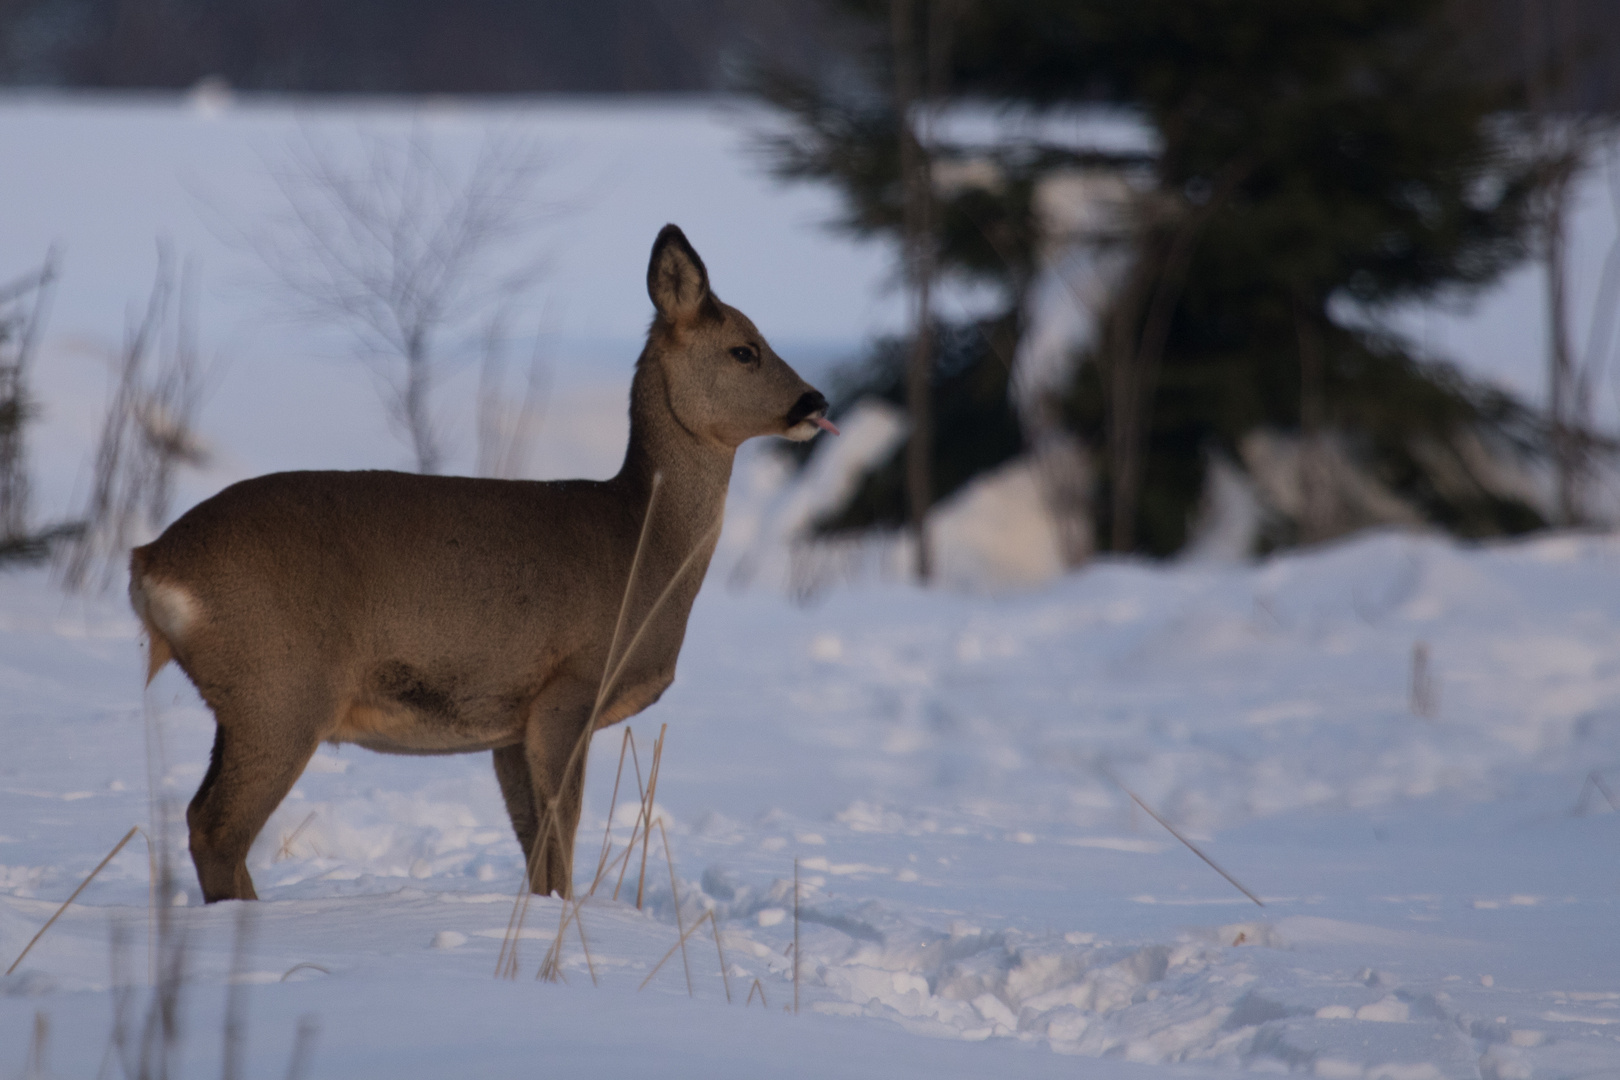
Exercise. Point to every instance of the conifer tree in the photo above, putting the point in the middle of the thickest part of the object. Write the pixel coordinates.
(1315, 164)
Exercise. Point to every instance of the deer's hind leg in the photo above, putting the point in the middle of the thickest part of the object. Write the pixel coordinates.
(258, 756)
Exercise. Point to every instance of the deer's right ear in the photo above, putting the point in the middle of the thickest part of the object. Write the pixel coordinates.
(676, 278)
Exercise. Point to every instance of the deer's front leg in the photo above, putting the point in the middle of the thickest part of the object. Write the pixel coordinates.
(556, 744)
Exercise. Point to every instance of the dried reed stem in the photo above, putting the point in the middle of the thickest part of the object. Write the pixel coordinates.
(613, 804)
(82, 885)
(707, 915)
(551, 822)
(305, 966)
(605, 689)
(641, 813)
(506, 962)
(590, 965)
(1596, 779)
(646, 813)
(725, 980)
(1192, 847)
(35, 1067)
(551, 965)
(675, 895)
(303, 1050)
(761, 988)
(624, 601)
(151, 907)
(285, 850)
(236, 996)
(624, 858)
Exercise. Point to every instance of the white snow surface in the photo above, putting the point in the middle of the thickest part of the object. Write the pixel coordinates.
(979, 895)
(950, 773)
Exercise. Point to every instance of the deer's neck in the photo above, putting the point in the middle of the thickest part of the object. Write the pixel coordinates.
(695, 471)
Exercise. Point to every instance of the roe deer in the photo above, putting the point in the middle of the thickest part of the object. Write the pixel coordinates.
(436, 615)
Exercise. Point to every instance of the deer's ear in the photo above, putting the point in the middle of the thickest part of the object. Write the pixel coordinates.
(676, 278)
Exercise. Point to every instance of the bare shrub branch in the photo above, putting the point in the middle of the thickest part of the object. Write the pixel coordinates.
(148, 431)
(417, 262)
(23, 302)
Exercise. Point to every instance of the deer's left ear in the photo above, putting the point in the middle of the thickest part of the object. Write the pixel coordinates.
(677, 280)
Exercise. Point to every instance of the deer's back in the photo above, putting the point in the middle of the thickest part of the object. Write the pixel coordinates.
(376, 567)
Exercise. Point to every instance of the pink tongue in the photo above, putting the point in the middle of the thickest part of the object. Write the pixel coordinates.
(825, 424)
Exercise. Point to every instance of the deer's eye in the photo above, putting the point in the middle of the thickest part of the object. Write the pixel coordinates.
(745, 354)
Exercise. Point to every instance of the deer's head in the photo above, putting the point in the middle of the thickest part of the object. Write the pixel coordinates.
(724, 382)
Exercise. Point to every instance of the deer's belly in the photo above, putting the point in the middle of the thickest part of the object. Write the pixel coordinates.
(402, 710)
(392, 729)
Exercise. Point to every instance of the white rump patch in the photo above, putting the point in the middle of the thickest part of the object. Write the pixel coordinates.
(172, 610)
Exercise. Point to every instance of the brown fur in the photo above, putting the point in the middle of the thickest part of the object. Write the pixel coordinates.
(426, 614)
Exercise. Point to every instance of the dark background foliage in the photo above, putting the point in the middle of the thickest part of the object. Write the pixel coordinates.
(1316, 161)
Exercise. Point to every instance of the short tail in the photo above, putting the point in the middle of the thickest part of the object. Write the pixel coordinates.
(159, 651)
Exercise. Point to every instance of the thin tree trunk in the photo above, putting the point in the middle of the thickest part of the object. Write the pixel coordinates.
(1560, 143)
(916, 194)
(1562, 392)
(1136, 359)
(1124, 411)
(415, 406)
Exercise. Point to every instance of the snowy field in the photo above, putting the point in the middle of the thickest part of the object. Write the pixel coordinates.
(1440, 892)
(979, 894)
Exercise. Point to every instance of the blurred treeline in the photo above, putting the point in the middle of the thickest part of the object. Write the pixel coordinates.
(1310, 167)
(494, 46)
(400, 46)
(572, 46)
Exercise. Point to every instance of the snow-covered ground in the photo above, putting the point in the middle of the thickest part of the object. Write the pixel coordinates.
(1440, 891)
(979, 895)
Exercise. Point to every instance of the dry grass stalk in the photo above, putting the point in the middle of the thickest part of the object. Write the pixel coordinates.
(148, 432)
(1425, 691)
(303, 1051)
(82, 886)
(285, 850)
(760, 987)
(602, 865)
(606, 689)
(675, 896)
(795, 935)
(506, 963)
(236, 996)
(1603, 789)
(549, 967)
(624, 857)
(635, 829)
(707, 916)
(551, 964)
(161, 1036)
(1594, 782)
(585, 946)
(305, 966)
(550, 823)
(646, 813)
(725, 980)
(1192, 847)
(506, 960)
(35, 1068)
(613, 804)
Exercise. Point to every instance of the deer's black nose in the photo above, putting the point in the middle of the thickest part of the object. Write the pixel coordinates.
(809, 404)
